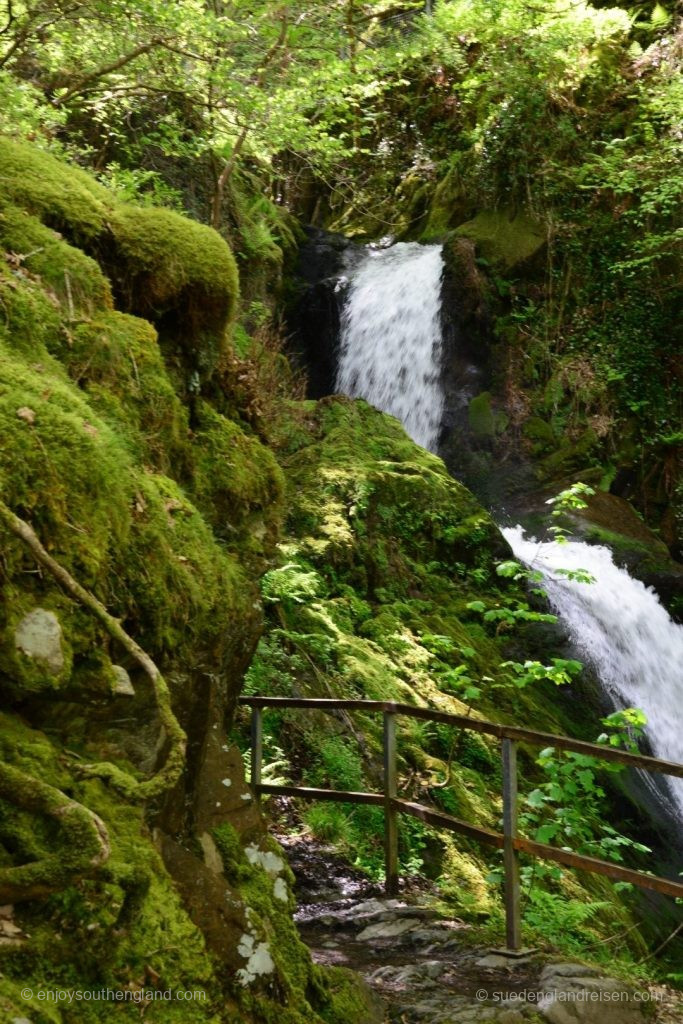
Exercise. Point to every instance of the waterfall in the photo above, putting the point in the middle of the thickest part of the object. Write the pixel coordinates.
(620, 627)
(390, 345)
(390, 354)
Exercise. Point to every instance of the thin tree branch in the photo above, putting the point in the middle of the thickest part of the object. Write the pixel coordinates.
(106, 69)
(224, 176)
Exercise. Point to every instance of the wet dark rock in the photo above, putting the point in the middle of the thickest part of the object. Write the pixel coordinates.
(315, 313)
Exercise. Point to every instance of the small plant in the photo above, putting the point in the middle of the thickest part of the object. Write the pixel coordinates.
(558, 920)
(290, 584)
(568, 807)
(569, 500)
(560, 672)
(507, 616)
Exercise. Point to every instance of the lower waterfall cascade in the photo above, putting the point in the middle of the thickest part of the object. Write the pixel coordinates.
(389, 354)
(622, 630)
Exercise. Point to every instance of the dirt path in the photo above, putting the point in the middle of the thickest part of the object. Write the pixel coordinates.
(429, 969)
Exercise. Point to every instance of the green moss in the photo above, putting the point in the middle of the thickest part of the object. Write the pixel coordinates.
(29, 319)
(571, 456)
(481, 416)
(163, 266)
(70, 277)
(116, 359)
(504, 240)
(112, 929)
(237, 481)
(58, 461)
(447, 207)
(59, 194)
(179, 274)
(539, 430)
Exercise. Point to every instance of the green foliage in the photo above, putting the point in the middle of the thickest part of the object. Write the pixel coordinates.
(562, 921)
(560, 671)
(290, 584)
(567, 808)
(569, 500)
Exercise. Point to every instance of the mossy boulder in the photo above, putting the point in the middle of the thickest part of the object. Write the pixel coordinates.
(571, 456)
(448, 205)
(505, 240)
(383, 553)
(539, 431)
(484, 420)
(237, 480)
(179, 274)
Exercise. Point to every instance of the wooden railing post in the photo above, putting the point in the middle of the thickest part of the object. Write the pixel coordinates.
(509, 841)
(390, 813)
(513, 939)
(256, 750)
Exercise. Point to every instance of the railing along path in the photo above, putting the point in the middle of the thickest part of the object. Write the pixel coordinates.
(509, 841)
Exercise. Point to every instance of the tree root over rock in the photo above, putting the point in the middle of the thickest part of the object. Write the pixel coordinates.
(122, 781)
(87, 833)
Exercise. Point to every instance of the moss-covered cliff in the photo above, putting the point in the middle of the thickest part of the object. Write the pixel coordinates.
(159, 464)
(114, 333)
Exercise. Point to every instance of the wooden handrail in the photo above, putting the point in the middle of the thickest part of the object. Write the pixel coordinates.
(512, 732)
(509, 841)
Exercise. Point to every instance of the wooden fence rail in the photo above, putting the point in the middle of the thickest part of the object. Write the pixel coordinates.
(509, 841)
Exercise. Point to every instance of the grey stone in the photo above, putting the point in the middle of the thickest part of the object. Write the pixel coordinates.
(495, 961)
(568, 971)
(122, 684)
(575, 994)
(385, 930)
(39, 636)
(434, 968)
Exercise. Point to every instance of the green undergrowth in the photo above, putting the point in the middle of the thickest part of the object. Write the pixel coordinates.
(387, 588)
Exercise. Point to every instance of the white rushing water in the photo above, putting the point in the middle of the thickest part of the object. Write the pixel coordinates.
(390, 346)
(622, 630)
(390, 354)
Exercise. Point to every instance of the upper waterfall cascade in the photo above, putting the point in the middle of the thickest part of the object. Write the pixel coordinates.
(390, 346)
(390, 354)
(620, 627)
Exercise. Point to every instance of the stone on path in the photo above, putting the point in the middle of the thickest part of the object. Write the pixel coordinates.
(575, 994)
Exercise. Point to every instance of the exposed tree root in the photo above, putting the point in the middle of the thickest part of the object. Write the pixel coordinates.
(173, 766)
(88, 845)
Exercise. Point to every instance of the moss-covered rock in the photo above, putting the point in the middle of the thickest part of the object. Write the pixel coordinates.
(179, 274)
(505, 240)
(484, 420)
(448, 205)
(166, 526)
(237, 480)
(384, 553)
